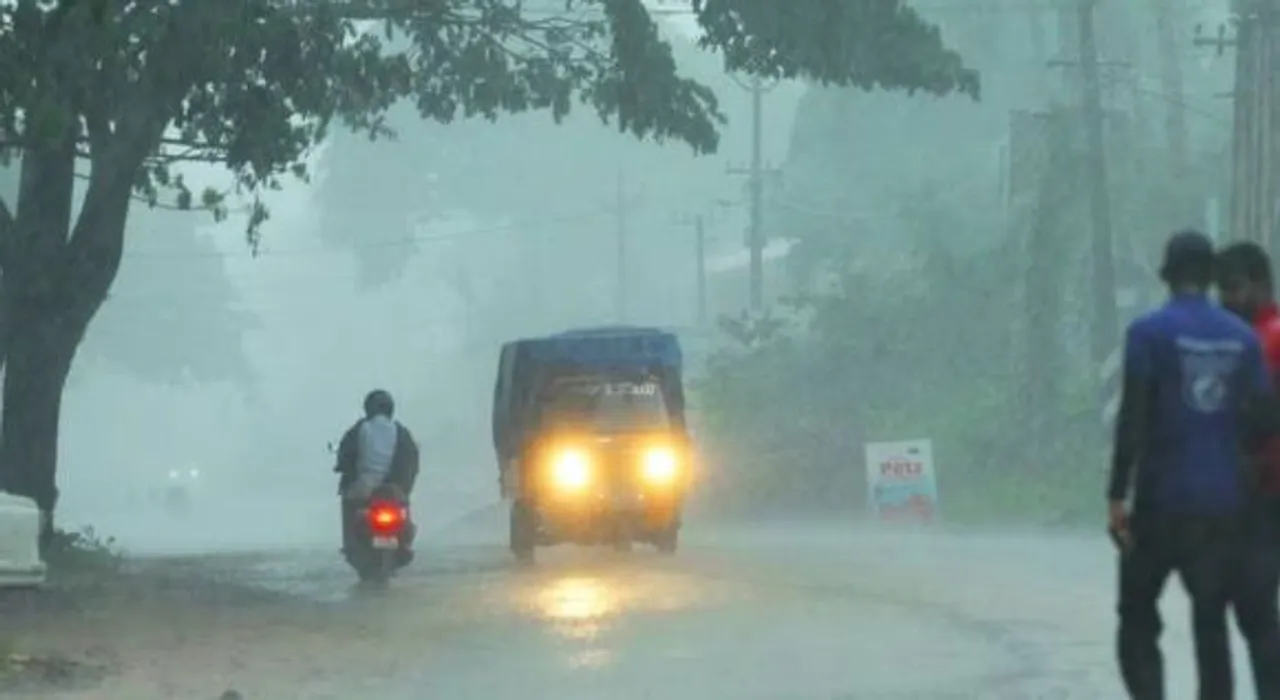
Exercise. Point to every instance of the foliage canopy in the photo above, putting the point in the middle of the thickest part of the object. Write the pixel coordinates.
(128, 90)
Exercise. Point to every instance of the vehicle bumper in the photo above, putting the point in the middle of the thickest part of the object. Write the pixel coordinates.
(596, 519)
(29, 576)
(20, 522)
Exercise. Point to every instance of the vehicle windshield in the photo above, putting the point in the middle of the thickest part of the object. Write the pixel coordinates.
(605, 403)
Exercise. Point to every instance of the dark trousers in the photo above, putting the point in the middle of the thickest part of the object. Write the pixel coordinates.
(1206, 553)
(1256, 604)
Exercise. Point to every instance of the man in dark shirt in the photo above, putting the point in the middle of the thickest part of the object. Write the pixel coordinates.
(1190, 370)
(1246, 288)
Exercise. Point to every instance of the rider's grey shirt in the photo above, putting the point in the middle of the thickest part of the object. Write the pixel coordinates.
(376, 446)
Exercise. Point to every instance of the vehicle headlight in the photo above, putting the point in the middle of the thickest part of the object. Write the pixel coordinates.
(660, 465)
(571, 469)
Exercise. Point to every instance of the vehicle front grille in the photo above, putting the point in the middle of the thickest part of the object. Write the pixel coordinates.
(619, 466)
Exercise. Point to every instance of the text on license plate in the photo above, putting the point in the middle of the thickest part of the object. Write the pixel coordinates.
(385, 543)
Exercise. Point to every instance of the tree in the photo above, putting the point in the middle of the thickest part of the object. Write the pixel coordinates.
(173, 318)
(523, 171)
(130, 89)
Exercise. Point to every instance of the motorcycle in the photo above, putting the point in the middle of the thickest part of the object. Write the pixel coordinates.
(380, 534)
(176, 495)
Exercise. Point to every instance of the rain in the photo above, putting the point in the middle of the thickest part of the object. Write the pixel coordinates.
(894, 245)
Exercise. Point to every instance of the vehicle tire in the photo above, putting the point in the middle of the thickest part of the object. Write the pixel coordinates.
(622, 538)
(377, 568)
(523, 532)
(668, 540)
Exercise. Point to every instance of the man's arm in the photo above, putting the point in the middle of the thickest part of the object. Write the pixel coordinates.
(1133, 423)
(347, 449)
(1260, 416)
(405, 463)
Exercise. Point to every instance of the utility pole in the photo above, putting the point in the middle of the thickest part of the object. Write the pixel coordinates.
(620, 291)
(700, 253)
(755, 234)
(757, 196)
(1254, 199)
(1255, 190)
(1106, 325)
(1167, 13)
(1035, 27)
(755, 181)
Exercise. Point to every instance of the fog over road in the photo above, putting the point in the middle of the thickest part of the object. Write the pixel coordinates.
(812, 611)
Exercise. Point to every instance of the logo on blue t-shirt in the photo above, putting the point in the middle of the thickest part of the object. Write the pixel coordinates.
(1207, 369)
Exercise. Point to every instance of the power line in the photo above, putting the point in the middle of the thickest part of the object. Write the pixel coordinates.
(519, 226)
(513, 227)
(214, 293)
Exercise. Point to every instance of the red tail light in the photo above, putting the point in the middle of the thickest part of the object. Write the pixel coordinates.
(386, 518)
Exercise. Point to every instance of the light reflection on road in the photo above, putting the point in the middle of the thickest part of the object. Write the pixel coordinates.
(576, 599)
(593, 595)
(585, 605)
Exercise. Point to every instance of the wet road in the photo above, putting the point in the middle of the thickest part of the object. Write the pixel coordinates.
(778, 614)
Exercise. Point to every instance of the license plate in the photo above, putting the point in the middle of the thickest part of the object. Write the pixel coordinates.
(385, 543)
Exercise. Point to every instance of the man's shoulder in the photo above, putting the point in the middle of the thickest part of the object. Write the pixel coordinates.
(1152, 323)
(1231, 320)
(403, 430)
(1208, 319)
(1236, 328)
(1269, 330)
(1268, 333)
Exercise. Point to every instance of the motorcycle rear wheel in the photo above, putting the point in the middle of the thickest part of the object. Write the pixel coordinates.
(377, 568)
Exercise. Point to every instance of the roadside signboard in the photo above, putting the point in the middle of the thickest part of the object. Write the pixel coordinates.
(902, 485)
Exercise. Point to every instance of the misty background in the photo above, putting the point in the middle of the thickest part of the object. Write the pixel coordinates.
(897, 281)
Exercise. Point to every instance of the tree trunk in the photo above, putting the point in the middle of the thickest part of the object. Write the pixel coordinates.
(56, 280)
(40, 353)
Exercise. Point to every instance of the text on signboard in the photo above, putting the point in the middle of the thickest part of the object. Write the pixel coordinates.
(901, 468)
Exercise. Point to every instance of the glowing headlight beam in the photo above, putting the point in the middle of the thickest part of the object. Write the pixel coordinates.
(572, 469)
(660, 465)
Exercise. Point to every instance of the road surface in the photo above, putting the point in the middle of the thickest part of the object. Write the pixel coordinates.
(780, 613)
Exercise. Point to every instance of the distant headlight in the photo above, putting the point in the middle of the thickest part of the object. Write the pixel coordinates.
(571, 469)
(660, 465)
(173, 473)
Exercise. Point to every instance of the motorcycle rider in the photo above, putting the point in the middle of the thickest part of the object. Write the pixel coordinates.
(376, 451)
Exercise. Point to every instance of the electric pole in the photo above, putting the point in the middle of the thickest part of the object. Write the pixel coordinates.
(700, 253)
(1167, 13)
(620, 292)
(755, 182)
(755, 234)
(757, 196)
(1255, 191)
(1106, 324)
(1254, 199)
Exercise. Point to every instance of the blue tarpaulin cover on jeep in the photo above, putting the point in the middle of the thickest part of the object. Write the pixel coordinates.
(608, 346)
(523, 364)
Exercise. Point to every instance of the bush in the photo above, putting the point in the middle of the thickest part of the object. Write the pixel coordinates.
(788, 406)
(81, 553)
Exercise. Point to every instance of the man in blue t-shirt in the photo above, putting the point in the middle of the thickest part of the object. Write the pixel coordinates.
(1193, 374)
